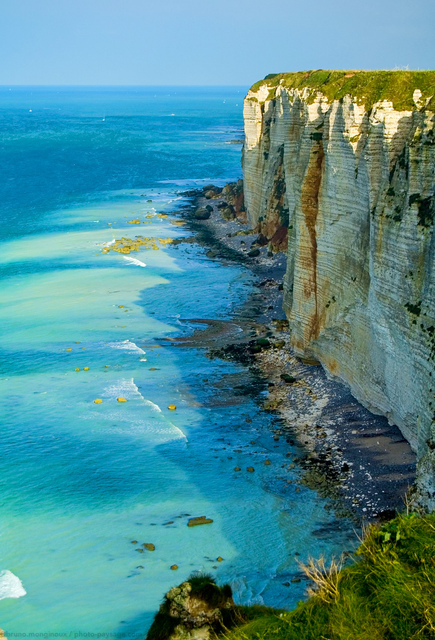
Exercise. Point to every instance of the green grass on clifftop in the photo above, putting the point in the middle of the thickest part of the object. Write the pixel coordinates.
(387, 593)
(367, 87)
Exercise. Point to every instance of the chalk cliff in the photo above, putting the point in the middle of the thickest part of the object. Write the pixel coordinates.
(341, 166)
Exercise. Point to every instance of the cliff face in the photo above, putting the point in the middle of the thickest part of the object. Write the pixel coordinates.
(344, 162)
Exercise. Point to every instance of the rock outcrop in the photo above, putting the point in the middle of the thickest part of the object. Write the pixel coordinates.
(195, 610)
(341, 166)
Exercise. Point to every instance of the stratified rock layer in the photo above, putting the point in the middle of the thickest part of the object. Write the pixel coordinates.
(353, 181)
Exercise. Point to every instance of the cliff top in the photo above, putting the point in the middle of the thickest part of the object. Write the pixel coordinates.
(367, 87)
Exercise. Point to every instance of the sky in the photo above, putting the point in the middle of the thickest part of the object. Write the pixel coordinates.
(205, 42)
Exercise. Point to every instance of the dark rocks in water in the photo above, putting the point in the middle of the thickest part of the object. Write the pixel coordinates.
(202, 214)
(254, 253)
(222, 205)
(150, 546)
(194, 522)
(288, 379)
(250, 469)
(195, 610)
(209, 207)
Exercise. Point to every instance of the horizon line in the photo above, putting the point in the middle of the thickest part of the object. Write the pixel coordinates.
(122, 85)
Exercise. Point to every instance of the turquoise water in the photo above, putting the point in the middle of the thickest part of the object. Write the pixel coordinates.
(80, 481)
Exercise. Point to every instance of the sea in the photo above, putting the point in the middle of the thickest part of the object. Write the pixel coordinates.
(85, 485)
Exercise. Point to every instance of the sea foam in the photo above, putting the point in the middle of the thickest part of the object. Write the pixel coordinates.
(10, 585)
(127, 345)
(134, 261)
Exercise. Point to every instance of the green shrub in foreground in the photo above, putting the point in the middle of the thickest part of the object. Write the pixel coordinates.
(387, 593)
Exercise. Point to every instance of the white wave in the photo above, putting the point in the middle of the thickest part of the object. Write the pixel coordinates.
(127, 389)
(127, 345)
(123, 388)
(157, 409)
(107, 244)
(10, 585)
(153, 405)
(134, 261)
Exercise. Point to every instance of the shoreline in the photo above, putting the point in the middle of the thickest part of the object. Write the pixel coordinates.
(357, 461)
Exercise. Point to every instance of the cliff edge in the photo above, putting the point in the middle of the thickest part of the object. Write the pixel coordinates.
(339, 170)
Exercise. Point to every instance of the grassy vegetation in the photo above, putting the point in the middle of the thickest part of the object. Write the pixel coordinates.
(367, 87)
(386, 593)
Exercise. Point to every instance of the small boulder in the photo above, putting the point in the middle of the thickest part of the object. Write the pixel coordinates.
(149, 545)
(260, 240)
(288, 379)
(228, 213)
(250, 469)
(202, 214)
(254, 253)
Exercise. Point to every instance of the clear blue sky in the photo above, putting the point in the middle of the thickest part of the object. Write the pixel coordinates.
(200, 42)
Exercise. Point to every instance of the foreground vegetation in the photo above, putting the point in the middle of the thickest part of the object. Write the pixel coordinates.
(387, 592)
(367, 87)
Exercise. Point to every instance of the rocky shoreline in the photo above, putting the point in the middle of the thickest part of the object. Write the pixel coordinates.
(355, 459)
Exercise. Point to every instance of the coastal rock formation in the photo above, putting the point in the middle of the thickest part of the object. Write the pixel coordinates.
(195, 610)
(341, 166)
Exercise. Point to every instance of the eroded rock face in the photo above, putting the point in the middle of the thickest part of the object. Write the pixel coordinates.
(355, 187)
(193, 612)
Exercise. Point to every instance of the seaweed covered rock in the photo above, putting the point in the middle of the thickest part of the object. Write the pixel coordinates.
(195, 610)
